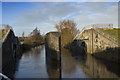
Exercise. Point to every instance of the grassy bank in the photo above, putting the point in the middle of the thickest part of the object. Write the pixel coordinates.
(114, 32)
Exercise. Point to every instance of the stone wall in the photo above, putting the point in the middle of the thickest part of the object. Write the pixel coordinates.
(96, 42)
(52, 45)
(0, 57)
(8, 47)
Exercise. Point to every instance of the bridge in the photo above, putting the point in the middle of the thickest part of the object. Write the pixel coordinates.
(96, 39)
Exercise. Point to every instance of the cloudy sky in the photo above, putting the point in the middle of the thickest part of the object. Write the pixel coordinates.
(25, 16)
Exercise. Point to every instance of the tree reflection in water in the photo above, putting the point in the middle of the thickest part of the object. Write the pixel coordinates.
(68, 65)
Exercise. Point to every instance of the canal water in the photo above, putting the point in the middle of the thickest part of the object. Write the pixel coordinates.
(32, 64)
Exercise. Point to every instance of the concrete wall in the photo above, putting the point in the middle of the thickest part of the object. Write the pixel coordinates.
(96, 42)
(52, 45)
(0, 57)
(7, 49)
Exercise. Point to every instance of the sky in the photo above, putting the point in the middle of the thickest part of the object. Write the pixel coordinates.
(26, 16)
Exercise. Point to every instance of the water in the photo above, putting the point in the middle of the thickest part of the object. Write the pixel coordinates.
(32, 64)
(70, 66)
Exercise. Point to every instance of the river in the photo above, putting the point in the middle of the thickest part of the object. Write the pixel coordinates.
(32, 64)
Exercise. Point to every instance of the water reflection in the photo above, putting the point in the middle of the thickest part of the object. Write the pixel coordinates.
(53, 70)
(68, 65)
(52, 64)
(9, 69)
(71, 69)
(97, 69)
(33, 64)
(87, 66)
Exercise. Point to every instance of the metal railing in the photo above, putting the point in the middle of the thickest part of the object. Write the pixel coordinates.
(108, 36)
(97, 29)
(78, 34)
(4, 76)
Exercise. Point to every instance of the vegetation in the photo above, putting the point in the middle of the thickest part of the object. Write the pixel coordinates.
(0, 34)
(3, 31)
(68, 30)
(34, 39)
(114, 32)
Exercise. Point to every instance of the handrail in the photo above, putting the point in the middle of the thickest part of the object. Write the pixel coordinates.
(84, 28)
(112, 38)
(4, 76)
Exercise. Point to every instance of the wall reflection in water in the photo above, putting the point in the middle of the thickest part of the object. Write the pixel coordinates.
(100, 69)
(53, 70)
(10, 69)
(29, 64)
(86, 66)
(32, 64)
(52, 65)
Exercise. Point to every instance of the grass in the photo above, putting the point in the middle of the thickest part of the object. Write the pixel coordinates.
(114, 32)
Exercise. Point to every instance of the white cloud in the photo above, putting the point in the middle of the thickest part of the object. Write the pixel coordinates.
(46, 15)
(100, 15)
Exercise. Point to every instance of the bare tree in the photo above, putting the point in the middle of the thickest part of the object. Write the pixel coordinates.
(68, 24)
(68, 30)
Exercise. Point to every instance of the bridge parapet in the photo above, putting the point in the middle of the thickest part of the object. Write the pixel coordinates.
(108, 36)
(94, 26)
(96, 39)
